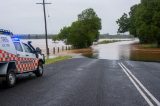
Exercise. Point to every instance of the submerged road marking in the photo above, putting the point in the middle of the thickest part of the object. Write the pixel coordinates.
(137, 87)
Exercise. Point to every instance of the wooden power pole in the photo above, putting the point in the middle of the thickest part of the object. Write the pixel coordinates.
(45, 22)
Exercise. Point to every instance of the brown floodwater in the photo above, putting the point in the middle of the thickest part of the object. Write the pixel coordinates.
(124, 50)
(137, 52)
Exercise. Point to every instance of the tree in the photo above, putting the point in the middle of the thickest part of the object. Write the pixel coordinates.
(78, 37)
(83, 32)
(91, 24)
(123, 23)
(55, 37)
(143, 21)
(132, 20)
(146, 14)
(64, 33)
(156, 27)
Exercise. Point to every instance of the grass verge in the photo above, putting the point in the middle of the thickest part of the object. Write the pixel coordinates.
(57, 59)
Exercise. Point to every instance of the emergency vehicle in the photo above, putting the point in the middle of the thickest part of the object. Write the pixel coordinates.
(18, 57)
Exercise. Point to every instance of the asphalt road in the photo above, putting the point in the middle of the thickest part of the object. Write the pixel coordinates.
(88, 82)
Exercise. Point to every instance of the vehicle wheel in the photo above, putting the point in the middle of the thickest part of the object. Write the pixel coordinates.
(10, 78)
(39, 71)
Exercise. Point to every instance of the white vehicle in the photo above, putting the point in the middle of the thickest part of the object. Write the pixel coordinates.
(17, 57)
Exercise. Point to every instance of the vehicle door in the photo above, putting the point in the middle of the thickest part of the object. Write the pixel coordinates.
(31, 60)
(20, 56)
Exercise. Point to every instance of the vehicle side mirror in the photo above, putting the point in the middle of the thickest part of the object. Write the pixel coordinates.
(38, 50)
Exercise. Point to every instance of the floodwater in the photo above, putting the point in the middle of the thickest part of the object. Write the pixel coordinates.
(41, 43)
(113, 51)
(123, 50)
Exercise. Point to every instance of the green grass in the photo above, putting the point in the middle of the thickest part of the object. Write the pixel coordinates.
(57, 59)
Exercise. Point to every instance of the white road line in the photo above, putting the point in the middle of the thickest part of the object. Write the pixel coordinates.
(137, 87)
(142, 86)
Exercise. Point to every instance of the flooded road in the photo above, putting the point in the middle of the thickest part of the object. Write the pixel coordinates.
(113, 51)
(125, 50)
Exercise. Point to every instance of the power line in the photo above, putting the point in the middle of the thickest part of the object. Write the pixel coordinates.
(45, 22)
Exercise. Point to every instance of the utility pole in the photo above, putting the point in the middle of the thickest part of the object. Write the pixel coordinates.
(45, 22)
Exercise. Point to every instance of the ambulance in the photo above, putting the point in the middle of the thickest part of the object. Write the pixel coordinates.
(18, 57)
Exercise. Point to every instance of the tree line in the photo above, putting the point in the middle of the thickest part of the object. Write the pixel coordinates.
(83, 32)
(143, 21)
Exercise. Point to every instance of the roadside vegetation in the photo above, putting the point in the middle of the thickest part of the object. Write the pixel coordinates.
(57, 59)
(83, 32)
(143, 21)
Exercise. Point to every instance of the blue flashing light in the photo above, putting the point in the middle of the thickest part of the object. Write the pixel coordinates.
(15, 39)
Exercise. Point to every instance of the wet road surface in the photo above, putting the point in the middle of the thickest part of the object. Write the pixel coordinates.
(88, 82)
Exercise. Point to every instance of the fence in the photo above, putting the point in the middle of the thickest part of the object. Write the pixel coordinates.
(56, 50)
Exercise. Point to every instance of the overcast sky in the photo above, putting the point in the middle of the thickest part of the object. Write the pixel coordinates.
(26, 17)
